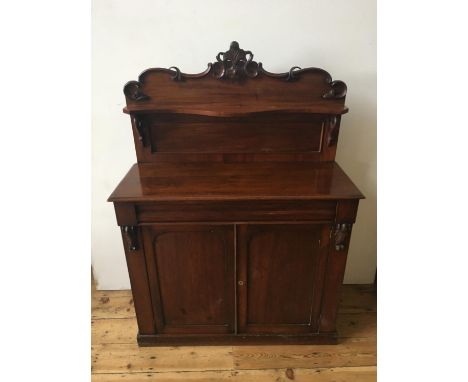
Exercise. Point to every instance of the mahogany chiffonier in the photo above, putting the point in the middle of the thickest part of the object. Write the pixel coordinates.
(236, 220)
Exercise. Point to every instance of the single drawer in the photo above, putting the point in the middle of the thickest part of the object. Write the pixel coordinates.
(236, 211)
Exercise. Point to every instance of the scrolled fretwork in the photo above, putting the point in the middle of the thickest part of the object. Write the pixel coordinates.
(341, 236)
(177, 76)
(130, 235)
(237, 64)
(292, 73)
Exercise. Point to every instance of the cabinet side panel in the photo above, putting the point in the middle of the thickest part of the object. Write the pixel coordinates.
(140, 289)
(341, 234)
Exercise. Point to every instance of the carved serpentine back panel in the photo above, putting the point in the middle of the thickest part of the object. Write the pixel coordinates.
(235, 111)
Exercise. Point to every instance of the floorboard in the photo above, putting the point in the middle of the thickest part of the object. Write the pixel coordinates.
(116, 356)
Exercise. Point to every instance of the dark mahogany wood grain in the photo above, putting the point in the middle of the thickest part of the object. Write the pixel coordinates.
(284, 133)
(236, 220)
(137, 271)
(235, 85)
(235, 181)
(169, 90)
(191, 273)
(277, 277)
(282, 137)
(246, 109)
(235, 211)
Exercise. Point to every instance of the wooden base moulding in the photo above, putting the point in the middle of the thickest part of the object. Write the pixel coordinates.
(227, 339)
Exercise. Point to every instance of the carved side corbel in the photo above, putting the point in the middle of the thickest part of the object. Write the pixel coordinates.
(333, 130)
(342, 234)
(138, 122)
(131, 237)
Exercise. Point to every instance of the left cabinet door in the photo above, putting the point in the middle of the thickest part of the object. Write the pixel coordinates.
(191, 274)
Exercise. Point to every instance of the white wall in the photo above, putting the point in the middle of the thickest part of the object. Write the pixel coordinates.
(130, 36)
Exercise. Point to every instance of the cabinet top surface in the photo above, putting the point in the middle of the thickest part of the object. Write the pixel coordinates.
(166, 181)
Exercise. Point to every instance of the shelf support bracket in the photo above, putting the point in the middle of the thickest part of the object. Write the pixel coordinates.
(333, 130)
(139, 126)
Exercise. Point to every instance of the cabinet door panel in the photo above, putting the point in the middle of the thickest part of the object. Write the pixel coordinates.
(191, 272)
(280, 276)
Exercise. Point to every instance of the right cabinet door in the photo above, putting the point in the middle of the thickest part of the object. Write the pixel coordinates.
(280, 273)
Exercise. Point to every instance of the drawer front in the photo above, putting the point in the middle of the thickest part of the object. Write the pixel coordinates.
(236, 211)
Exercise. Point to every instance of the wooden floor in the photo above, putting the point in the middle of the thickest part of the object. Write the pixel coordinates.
(116, 356)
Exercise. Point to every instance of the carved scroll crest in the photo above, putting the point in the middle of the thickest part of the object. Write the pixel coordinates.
(235, 63)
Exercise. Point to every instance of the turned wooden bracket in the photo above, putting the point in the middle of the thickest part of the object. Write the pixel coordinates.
(342, 233)
(131, 237)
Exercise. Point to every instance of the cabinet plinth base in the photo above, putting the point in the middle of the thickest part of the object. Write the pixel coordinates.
(247, 339)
